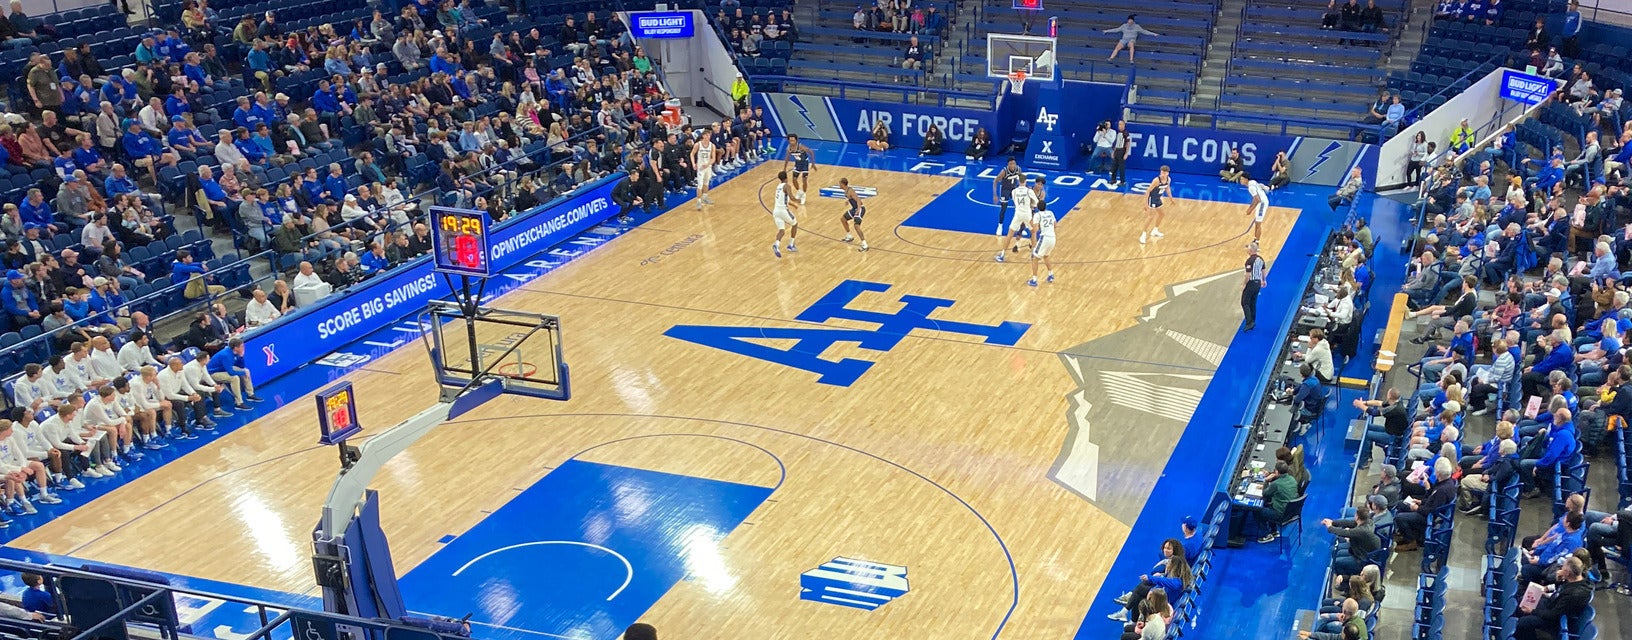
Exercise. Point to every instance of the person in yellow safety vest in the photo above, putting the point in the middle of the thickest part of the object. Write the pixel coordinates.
(1463, 138)
(739, 92)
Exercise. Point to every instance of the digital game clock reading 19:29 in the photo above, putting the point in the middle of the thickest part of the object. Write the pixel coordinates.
(459, 241)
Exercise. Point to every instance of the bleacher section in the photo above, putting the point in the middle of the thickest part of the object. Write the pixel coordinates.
(1166, 65)
(1457, 52)
(827, 47)
(1282, 62)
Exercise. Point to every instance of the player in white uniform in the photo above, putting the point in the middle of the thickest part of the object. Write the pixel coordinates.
(1260, 205)
(786, 223)
(1024, 200)
(1042, 228)
(702, 157)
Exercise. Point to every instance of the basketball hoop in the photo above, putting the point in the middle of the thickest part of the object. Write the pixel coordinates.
(1017, 82)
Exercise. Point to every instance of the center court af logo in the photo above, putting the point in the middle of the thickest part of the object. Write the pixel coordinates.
(836, 191)
(848, 582)
(809, 343)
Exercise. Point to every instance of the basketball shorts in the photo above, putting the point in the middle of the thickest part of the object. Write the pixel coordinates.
(783, 219)
(855, 214)
(1156, 204)
(705, 176)
(1259, 211)
(800, 173)
(1045, 246)
(1022, 220)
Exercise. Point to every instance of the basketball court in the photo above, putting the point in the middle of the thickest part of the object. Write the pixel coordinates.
(868, 444)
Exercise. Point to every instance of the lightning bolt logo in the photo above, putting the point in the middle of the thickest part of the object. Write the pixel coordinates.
(804, 112)
(1324, 156)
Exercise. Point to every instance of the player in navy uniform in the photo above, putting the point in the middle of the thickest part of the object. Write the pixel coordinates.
(799, 157)
(854, 213)
(1157, 193)
(1004, 184)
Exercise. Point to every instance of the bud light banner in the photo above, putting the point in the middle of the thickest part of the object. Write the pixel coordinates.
(661, 24)
(845, 120)
(311, 332)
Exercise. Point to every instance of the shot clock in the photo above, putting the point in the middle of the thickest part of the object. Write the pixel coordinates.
(337, 414)
(1028, 5)
(459, 241)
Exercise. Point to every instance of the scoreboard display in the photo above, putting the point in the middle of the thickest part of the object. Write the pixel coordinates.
(459, 241)
(337, 414)
(1028, 5)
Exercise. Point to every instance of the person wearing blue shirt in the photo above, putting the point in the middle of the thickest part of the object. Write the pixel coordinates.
(323, 99)
(1560, 358)
(214, 195)
(1394, 118)
(243, 115)
(89, 158)
(1554, 547)
(263, 109)
(1572, 29)
(334, 186)
(117, 183)
(1193, 541)
(186, 140)
(252, 152)
(35, 210)
(145, 51)
(227, 368)
(37, 599)
(260, 64)
(335, 65)
(19, 300)
(73, 102)
(312, 187)
(441, 64)
(374, 261)
(1309, 395)
(144, 150)
(177, 104)
(1493, 13)
(64, 163)
(1562, 443)
(195, 72)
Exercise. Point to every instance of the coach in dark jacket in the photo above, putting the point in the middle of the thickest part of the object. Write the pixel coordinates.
(627, 195)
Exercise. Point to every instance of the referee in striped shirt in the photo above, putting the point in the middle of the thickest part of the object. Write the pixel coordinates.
(1251, 286)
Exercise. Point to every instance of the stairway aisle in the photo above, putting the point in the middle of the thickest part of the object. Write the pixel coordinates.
(1210, 82)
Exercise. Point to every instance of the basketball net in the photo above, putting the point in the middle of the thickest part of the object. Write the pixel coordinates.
(1017, 82)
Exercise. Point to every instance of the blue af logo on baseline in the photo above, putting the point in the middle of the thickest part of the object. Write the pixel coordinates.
(809, 343)
(854, 583)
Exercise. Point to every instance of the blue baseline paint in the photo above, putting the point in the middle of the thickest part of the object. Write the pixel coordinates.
(1256, 587)
(810, 342)
(781, 467)
(1188, 481)
(1014, 576)
(584, 551)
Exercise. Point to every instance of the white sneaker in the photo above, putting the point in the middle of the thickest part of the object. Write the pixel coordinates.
(848, 238)
(1156, 233)
(93, 473)
(707, 199)
(699, 204)
(46, 498)
(114, 467)
(1142, 237)
(74, 483)
(863, 245)
(28, 508)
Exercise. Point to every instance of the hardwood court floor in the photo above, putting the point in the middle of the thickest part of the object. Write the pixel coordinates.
(894, 468)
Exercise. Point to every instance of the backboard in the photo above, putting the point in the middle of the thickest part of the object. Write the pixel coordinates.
(1007, 53)
(521, 348)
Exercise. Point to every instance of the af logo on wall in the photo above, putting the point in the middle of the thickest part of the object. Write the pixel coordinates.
(810, 342)
(854, 583)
